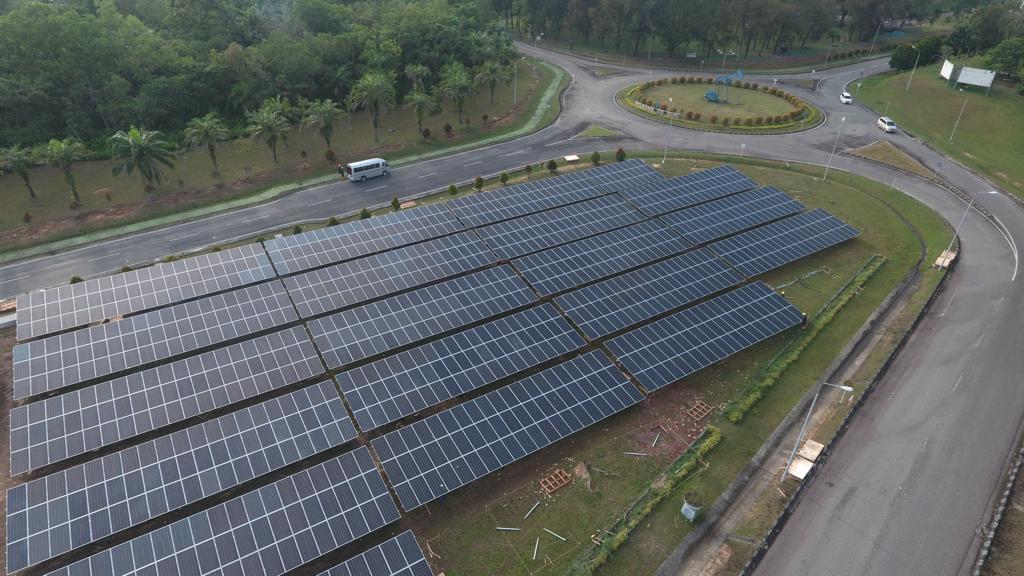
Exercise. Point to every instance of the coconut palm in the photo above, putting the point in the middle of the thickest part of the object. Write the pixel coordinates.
(375, 92)
(417, 73)
(142, 150)
(456, 85)
(420, 102)
(19, 160)
(324, 115)
(268, 125)
(207, 131)
(489, 74)
(61, 154)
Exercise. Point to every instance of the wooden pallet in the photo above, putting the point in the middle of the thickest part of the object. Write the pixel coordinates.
(699, 410)
(555, 480)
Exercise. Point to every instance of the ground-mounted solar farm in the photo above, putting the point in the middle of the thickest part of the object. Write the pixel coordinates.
(364, 398)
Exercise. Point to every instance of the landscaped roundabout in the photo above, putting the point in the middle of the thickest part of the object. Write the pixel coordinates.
(742, 107)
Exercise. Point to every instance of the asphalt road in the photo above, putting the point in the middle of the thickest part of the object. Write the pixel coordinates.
(914, 476)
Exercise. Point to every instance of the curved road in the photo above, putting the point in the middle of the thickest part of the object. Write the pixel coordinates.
(915, 475)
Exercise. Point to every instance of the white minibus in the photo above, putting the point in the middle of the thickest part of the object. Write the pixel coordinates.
(367, 169)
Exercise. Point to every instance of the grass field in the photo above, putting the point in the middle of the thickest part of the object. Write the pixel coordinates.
(888, 153)
(990, 136)
(247, 167)
(742, 103)
(461, 528)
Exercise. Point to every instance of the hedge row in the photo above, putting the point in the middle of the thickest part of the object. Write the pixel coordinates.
(800, 106)
(738, 408)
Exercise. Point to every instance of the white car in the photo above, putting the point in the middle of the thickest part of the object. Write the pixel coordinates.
(846, 98)
(886, 123)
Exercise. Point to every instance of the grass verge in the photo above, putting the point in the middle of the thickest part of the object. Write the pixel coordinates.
(885, 152)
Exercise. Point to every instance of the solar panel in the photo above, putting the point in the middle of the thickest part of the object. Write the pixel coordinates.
(684, 191)
(782, 242)
(439, 454)
(360, 237)
(528, 234)
(400, 385)
(679, 345)
(55, 309)
(720, 218)
(621, 301)
(399, 556)
(71, 508)
(64, 426)
(74, 357)
(617, 176)
(570, 265)
(265, 532)
(387, 324)
(359, 280)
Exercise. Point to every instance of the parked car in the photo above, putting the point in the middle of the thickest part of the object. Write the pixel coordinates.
(886, 124)
(846, 98)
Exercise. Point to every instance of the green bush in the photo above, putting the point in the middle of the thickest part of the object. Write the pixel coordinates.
(75, 280)
(478, 183)
(675, 80)
(595, 158)
(749, 121)
(503, 178)
(126, 269)
(753, 86)
(713, 119)
(297, 229)
(689, 114)
(552, 166)
(452, 189)
(736, 84)
(696, 116)
(364, 214)
(765, 88)
(725, 121)
(620, 155)
(396, 205)
(332, 221)
(759, 120)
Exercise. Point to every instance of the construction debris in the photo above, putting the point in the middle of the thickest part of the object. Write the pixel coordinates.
(636, 454)
(507, 529)
(555, 535)
(536, 544)
(531, 510)
(555, 480)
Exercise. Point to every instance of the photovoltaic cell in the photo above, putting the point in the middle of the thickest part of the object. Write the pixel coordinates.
(400, 385)
(66, 359)
(621, 301)
(74, 507)
(779, 243)
(528, 234)
(684, 191)
(399, 556)
(570, 265)
(360, 238)
(387, 324)
(55, 309)
(439, 454)
(265, 532)
(359, 280)
(64, 426)
(679, 345)
(720, 218)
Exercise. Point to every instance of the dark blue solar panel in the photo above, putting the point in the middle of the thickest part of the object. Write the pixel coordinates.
(399, 556)
(726, 216)
(779, 243)
(644, 293)
(679, 345)
(684, 191)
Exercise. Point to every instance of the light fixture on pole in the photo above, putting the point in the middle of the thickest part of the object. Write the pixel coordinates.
(743, 148)
(970, 204)
(834, 145)
(668, 132)
(536, 41)
(807, 419)
(958, 116)
(877, 30)
(914, 69)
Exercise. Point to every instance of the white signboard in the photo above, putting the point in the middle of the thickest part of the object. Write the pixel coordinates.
(947, 69)
(976, 77)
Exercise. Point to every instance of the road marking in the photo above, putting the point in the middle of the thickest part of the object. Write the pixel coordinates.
(253, 219)
(176, 238)
(377, 188)
(474, 163)
(321, 202)
(103, 257)
(515, 153)
(15, 279)
(557, 143)
(426, 176)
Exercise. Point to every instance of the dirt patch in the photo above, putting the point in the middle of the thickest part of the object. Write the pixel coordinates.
(719, 562)
(582, 471)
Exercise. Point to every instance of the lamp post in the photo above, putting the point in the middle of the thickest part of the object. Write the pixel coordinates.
(743, 148)
(536, 41)
(958, 116)
(668, 132)
(914, 69)
(834, 145)
(515, 81)
(964, 217)
(877, 30)
(803, 428)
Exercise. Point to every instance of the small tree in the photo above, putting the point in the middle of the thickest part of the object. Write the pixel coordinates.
(713, 119)
(76, 280)
(426, 133)
(447, 129)
(27, 218)
(19, 160)
(452, 189)
(364, 214)
(595, 158)
(552, 166)
(528, 169)
(332, 221)
(478, 183)
(126, 268)
(297, 229)
(620, 155)
(396, 205)
(503, 178)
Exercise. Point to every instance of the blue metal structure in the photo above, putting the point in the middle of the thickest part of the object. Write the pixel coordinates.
(726, 80)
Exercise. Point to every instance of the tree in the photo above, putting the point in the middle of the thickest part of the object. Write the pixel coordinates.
(207, 131)
(456, 85)
(375, 92)
(323, 115)
(478, 183)
(903, 57)
(396, 205)
(528, 169)
(595, 158)
(417, 74)
(268, 125)
(489, 74)
(19, 160)
(62, 154)
(1007, 57)
(552, 166)
(142, 150)
(364, 214)
(620, 155)
(420, 102)
(452, 189)
(503, 178)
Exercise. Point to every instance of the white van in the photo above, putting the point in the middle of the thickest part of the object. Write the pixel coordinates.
(885, 123)
(367, 169)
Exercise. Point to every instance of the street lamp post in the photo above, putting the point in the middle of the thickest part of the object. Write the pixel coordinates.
(807, 419)
(515, 81)
(877, 30)
(668, 132)
(914, 69)
(970, 204)
(834, 145)
(743, 148)
(958, 116)
(536, 41)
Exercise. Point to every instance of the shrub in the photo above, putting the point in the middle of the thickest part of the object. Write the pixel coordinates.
(364, 214)
(297, 229)
(696, 116)
(216, 249)
(764, 88)
(552, 166)
(746, 85)
(75, 280)
(452, 189)
(725, 121)
(660, 82)
(689, 114)
(709, 80)
(528, 169)
(620, 155)
(396, 205)
(426, 133)
(664, 107)
(595, 158)
(332, 221)
(448, 129)
(713, 119)
(171, 258)
(675, 80)
(736, 84)
(330, 155)
(689, 79)
(672, 110)
(126, 269)
(503, 178)
(753, 86)
(478, 183)
(749, 121)
(484, 118)
(759, 120)
(262, 239)
(26, 218)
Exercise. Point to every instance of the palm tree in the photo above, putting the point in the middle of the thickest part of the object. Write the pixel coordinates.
(267, 124)
(324, 115)
(142, 150)
(375, 92)
(62, 154)
(417, 73)
(19, 160)
(488, 74)
(419, 101)
(207, 131)
(456, 85)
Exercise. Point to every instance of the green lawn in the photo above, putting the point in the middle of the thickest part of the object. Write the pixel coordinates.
(742, 103)
(247, 167)
(990, 137)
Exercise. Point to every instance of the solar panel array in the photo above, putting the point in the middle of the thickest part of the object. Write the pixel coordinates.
(73, 507)
(55, 309)
(674, 347)
(265, 532)
(359, 238)
(210, 384)
(74, 357)
(768, 247)
(432, 457)
(400, 385)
